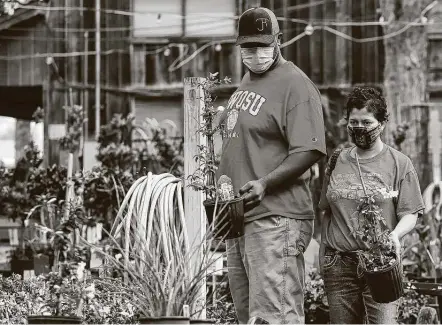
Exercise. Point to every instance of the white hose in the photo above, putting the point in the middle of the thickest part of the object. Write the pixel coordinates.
(153, 203)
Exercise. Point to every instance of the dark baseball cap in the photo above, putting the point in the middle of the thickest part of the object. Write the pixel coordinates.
(257, 25)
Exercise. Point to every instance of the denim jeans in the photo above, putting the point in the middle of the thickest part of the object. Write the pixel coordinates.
(266, 270)
(348, 295)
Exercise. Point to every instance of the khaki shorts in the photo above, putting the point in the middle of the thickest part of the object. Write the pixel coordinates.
(266, 269)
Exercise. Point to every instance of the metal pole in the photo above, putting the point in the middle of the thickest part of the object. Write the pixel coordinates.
(97, 67)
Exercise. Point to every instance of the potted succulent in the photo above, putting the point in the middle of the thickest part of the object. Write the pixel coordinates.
(224, 210)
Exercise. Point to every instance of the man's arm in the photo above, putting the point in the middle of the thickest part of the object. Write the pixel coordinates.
(290, 169)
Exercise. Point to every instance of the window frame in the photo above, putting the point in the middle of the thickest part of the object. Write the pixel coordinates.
(183, 37)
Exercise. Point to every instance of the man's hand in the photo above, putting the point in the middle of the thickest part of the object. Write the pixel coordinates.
(255, 193)
(397, 243)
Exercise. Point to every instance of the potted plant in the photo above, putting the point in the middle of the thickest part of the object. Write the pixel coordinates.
(67, 293)
(69, 259)
(381, 265)
(150, 248)
(17, 199)
(315, 300)
(227, 207)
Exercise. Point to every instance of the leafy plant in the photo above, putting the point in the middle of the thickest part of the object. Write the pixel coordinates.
(75, 122)
(38, 296)
(204, 177)
(372, 228)
(314, 296)
(114, 150)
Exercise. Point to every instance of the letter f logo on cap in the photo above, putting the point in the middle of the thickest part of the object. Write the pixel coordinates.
(261, 23)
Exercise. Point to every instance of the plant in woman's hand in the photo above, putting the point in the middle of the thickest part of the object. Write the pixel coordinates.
(372, 229)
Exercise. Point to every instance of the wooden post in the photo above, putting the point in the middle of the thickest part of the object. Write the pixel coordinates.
(97, 68)
(193, 200)
(416, 144)
(47, 115)
(85, 96)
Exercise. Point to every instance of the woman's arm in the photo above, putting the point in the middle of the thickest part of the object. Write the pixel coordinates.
(405, 225)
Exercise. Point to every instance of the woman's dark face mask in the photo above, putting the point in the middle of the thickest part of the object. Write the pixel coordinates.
(364, 137)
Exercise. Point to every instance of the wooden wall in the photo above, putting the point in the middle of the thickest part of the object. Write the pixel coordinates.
(330, 60)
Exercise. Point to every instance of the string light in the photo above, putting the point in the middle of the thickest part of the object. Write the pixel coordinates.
(309, 30)
(218, 47)
(167, 52)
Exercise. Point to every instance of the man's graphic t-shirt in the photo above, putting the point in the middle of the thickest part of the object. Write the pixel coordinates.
(389, 176)
(266, 119)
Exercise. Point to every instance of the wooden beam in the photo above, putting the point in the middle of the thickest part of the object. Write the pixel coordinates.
(193, 200)
(343, 46)
(19, 16)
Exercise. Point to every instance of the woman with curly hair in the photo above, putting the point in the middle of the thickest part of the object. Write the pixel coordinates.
(384, 170)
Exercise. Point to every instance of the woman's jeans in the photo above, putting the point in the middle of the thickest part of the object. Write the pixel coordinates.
(347, 292)
(266, 270)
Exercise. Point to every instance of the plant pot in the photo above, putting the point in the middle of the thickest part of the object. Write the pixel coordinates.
(18, 266)
(203, 321)
(165, 320)
(42, 264)
(430, 289)
(322, 315)
(53, 320)
(230, 222)
(386, 285)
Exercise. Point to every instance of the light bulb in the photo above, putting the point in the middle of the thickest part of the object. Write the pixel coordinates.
(309, 29)
(424, 19)
(167, 52)
(218, 47)
(381, 19)
(159, 19)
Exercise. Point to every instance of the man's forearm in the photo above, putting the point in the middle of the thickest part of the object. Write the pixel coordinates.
(290, 169)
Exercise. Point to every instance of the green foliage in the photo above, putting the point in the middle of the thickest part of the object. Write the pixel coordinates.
(42, 295)
(75, 123)
(203, 178)
(372, 229)
(114, 150)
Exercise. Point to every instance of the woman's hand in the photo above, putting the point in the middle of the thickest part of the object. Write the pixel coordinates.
(397, 243)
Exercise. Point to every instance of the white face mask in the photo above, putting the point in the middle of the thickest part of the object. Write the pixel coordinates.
(258, 59)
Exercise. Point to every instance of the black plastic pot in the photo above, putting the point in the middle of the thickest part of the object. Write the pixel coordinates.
(203, 321)
(42, 264)
(53, 320)
(18, 266)
(179, 320)
(387, 284)
(229, 219)
(322, 315)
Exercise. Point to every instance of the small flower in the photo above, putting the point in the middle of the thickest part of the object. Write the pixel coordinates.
(80, 271)
(90, 291)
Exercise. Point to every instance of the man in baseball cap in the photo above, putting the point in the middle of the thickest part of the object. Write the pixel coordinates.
(273, 132)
